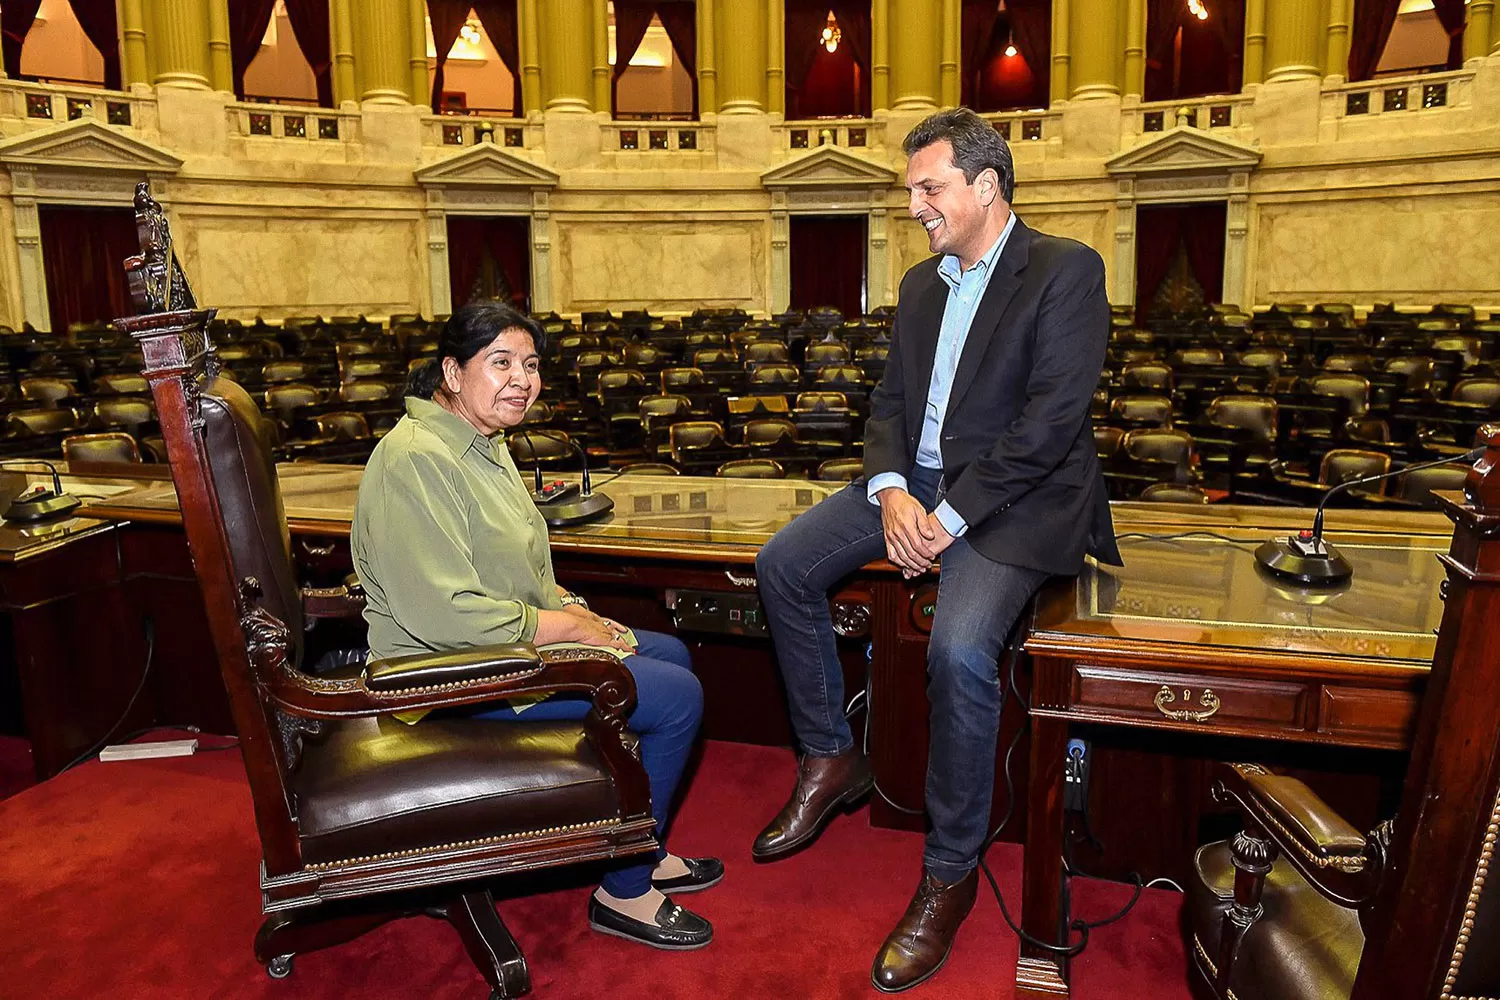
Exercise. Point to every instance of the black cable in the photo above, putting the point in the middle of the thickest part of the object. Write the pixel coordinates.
(149, 627)
(1148, 537)
(869, 714)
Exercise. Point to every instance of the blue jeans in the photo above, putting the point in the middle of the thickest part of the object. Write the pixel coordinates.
(668, 709)
(978, 603)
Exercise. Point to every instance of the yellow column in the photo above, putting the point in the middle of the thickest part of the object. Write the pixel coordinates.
(948, 90)
(382, 50)
(531, 58)
(1336, 61)
(914, 70)
(708, 75)
(567, 51)
(1135, 48)
(133, 65)
(1293, 39)
(1062, 55)
(416, 59)
(1479, 29)
(601, 69)
(776, 59)
(220, 63)
(880, 55)
(1096, 51)
(179, 42)
(341, 33)
(742, 58)
(1255, 41)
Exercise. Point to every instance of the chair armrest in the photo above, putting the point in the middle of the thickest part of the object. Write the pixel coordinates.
(1332, 856)
(344, 601)
(407, 673)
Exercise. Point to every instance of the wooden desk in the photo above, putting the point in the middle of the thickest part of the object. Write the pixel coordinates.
(1190, 639)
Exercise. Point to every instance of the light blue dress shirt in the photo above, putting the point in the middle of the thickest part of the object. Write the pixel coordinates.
(965, 290)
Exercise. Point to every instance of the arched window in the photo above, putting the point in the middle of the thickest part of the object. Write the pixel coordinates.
(654, 51)
(1194, 48)
(1007, 48)
(281, 51)
(827, 59)
(1390, 37)
(474, 54)
(69, 41)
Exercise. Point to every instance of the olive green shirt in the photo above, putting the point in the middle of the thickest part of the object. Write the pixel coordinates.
(446, 539)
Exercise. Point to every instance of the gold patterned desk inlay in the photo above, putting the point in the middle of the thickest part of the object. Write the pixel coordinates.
(1208, 590)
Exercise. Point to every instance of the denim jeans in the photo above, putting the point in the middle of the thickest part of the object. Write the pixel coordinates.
(978, 602)
(668, 709)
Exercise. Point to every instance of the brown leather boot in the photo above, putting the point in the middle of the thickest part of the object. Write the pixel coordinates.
(919, 945)
(823, 785)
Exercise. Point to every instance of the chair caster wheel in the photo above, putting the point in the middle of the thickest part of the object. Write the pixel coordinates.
(279, 967)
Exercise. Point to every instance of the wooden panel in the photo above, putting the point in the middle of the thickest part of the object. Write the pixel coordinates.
(1109, 692)
(1368, 712)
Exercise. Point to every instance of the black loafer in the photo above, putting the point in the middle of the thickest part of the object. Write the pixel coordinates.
(701, 873)
(675, 929)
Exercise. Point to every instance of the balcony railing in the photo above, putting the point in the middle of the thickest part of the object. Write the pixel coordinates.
(1210, 113)
(276, 121)
(850, 133)
(1419, 91)
(1019, 127)
(635, 136)
(46, 103)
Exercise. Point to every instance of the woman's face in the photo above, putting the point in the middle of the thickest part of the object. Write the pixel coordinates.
(496, 387)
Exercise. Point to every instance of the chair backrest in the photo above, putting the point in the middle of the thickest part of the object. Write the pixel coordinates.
(1152, 376)
(691, 434)
(1484, 390)
(120, 383)
(650, 469)
(365, 391)
(769, 431)
(110, 446)
(344, 425)
(1107, 441)
(821, 401)
(1344, 385)
(1256, 414)
(680, 378)
(1349, 363)
(1174, 493)
(1159, 444)
(41, 421)
(840, 470)
(290, 370)
(47, 390)
(839, 375)
(617, 379)
(741, 406)
(1144, 409)
(286, 398)
(1198, 356)
(773, 374)
(752, 468)
(539, 446)
(766, 352)
(1343, 464)
(827, 352)
(124, 412)
(665, 405)
(1419, 485)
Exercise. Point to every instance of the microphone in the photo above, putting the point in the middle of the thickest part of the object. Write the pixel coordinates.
(563, 504)
(1307, 558)
(43, 503)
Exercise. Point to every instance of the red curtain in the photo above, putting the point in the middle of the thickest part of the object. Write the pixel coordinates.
(309, 19)
(828, 262)
(447, 17)
(83, 253)
(1031, 30)
(1160, 230)
(822, 83)
(976, 26)
(632, 18)
(248, 20)
(97, 19)
(16, 19)
(489, 257)
(1163, 18)
(1203, 225)
(1373, 21)
(1452, 14)
(680, 20)
(500, 23)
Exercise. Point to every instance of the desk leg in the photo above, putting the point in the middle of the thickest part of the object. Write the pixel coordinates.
(1044, 905)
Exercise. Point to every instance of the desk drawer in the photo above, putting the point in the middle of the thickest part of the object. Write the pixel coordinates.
(1188, 699)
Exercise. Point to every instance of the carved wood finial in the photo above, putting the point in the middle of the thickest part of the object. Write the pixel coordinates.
(156, 281)
(1482, 488)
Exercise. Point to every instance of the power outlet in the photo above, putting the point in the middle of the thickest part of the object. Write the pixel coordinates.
(1076, 776)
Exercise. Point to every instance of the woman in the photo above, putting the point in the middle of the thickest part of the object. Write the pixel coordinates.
(452, 553)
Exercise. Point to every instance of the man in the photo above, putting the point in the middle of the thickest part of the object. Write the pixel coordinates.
(978, 450)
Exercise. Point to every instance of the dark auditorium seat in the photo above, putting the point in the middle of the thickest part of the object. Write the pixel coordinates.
(105, 447)
(751, 468)
(840, 470)
(1174, 493)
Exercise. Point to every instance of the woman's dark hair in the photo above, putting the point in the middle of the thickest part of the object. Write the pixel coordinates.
(468, 331)
(976, 146)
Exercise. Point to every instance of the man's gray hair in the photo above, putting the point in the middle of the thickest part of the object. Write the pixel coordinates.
(976, 146)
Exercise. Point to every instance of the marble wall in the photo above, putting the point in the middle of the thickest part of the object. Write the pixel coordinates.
(670, 266)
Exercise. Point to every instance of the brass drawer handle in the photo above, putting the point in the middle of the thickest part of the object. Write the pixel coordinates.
(1165, 697)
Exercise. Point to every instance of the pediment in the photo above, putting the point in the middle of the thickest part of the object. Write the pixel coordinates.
(87, 145)
(1184, 149)
(485, 165)
(829, 167)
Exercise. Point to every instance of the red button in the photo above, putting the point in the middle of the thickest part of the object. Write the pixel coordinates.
(1305, 534)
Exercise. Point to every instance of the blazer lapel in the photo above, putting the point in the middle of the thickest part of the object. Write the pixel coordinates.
(1004, 284)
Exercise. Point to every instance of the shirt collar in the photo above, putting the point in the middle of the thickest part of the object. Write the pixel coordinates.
(952, 271)
(454, 431)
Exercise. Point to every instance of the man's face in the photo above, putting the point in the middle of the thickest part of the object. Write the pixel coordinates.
(951, 209)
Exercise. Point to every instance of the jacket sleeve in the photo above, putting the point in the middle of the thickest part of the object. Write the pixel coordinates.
(886, 449)
(1072, 332)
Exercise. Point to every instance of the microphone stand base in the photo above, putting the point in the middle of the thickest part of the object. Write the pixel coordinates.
(1282, 559)
(576, 510)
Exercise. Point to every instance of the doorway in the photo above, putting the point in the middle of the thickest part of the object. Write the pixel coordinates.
(1179, 256)
(829, 262)
(489, 257)
(83, 258)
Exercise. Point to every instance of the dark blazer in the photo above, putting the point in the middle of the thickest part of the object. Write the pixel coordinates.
(1018, 445)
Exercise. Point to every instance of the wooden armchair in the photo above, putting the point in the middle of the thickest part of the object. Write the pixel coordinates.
(363, 818)
(1300, 906)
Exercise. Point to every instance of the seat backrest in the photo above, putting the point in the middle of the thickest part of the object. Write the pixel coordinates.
(769, 430)
(365, 391)
(1158, 444)
(232, 513)
(766, 352)
(344, 425)
(539, 445)
(1174, 493)
(121, 383)
(41, 421)
(774, 374)
(1256, 414)
(1420, 484)
(679, 378)
(840, 470)
(665, 405)
(1151, 375)
(111, 446)
(1484, 390)
(1344, 385)
(290, 370)
(822, 401)
(695, 434)
(47, 389)
(123, 412)
(1152, 409)
(827, 352)
(1343, 464)
(1107, 441)
(752, 468)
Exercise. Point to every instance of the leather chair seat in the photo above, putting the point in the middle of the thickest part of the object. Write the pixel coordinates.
(1303, 947)
(370, 786)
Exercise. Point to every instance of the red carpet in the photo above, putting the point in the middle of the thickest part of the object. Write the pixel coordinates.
(138, 880)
